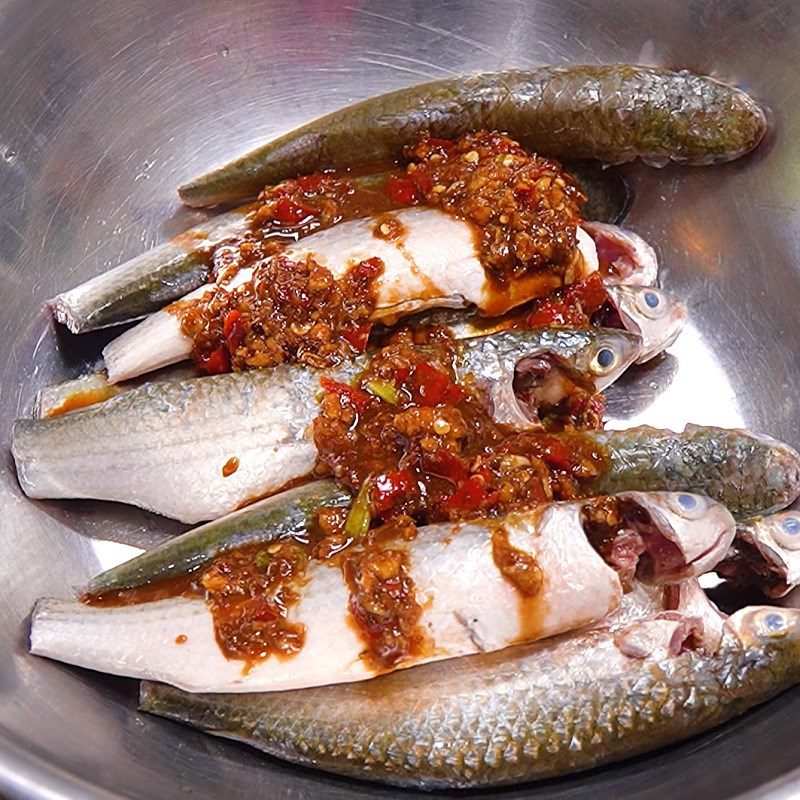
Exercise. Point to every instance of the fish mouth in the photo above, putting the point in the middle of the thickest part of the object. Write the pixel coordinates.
(656, 334)
(755, 564)
(647, 545)
(623, 255)
(543, 381)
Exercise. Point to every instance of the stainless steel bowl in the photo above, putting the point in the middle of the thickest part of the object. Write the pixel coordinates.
(106, 106)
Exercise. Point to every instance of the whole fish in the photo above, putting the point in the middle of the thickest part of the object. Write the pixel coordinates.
(610, 113)
(766, 554)
(417, 273)
(199, 448)
(468, 604)
(152, 280)
(558, 706)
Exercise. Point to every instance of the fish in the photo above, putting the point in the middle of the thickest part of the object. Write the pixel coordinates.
(766, 554)
(558, 706)
(468, 604)
(611, 113)
(418, 273)
(655, 315)
(198, 448)
(148, 282)
(288, 514)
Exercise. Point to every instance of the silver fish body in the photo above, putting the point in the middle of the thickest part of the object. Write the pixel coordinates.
(561, 705)
(169, 447)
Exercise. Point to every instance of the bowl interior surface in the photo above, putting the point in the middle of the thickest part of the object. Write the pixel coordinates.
(106, 106)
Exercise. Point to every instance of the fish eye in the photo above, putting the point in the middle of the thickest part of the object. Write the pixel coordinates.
(786, 532)
(791, 525)
(688, 506)
(651, 303)
(772, 624)
(604, 359)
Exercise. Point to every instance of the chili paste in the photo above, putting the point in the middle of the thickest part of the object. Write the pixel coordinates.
(526, 206)
(411, 440)
(525, 210)
(251, 590)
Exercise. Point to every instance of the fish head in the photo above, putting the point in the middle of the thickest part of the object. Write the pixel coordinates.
(656, 316)
(775, 541)
(604, 354)
(768, 627)
(684, 535)
(518, 372)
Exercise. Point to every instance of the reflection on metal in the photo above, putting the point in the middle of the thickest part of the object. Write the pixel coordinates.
(110, 554)
(686, 385)
(108, 105)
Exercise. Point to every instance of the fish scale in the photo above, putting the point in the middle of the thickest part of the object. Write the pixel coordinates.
(561, 705)
(609, 112)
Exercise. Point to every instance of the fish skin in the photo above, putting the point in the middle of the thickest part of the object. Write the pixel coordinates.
(537, 711)
(286, 514)
(417, 274)
(134, 447)
(748, 473)
(611, 113)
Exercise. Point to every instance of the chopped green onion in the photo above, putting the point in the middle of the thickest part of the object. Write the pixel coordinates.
(360, 514)
(262, 559)
(383, 389)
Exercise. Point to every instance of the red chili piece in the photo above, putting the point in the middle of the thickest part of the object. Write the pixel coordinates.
(287, 212)
(358, 337)
(402, 191)
(590, 293)
(447, 466)
(470, 496)
(390, 487)
(216, 362)
(233, 329)
(357, 398)
(430, 387)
